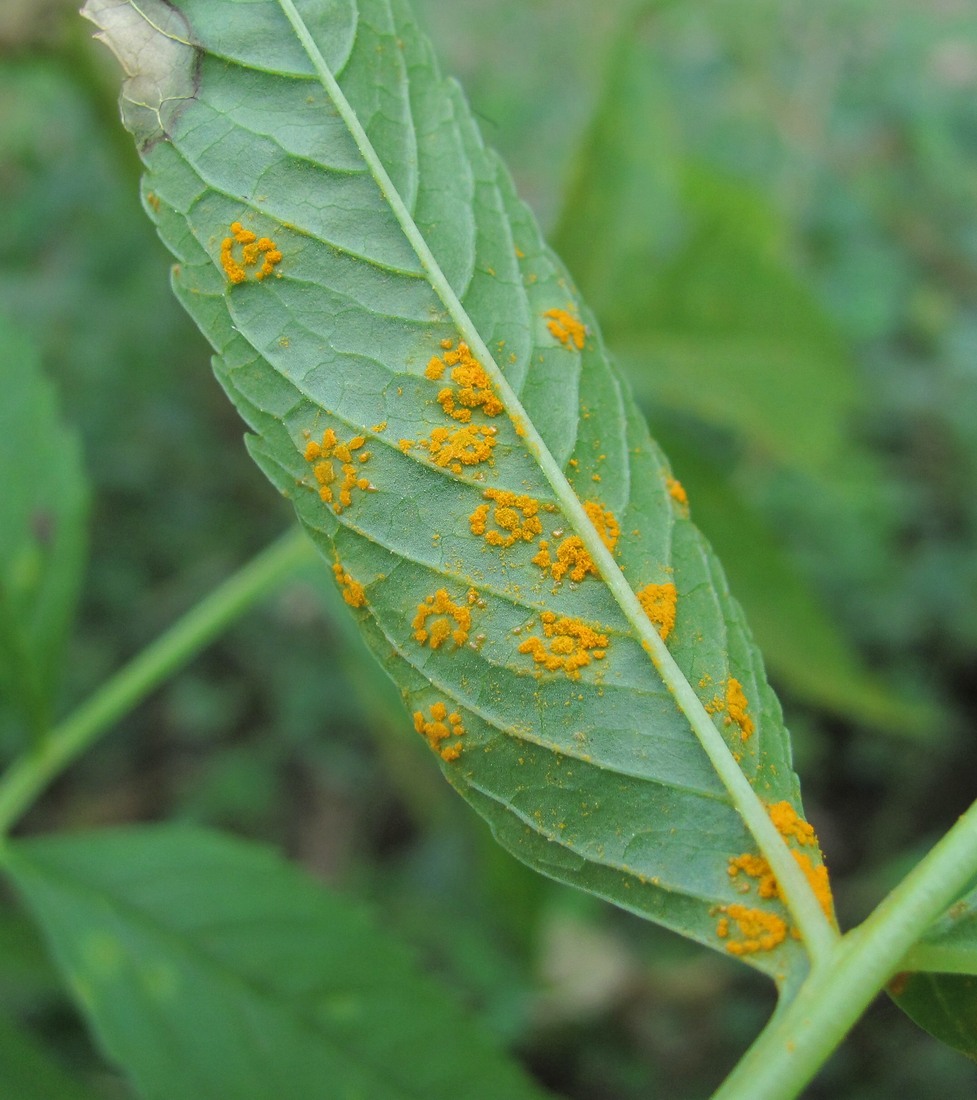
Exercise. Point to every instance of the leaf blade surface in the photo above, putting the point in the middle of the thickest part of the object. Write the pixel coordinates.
(426, 386)
(209, 967)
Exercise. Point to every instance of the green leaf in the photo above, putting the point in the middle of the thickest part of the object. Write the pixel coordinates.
(945, 1005)
(938, 986)
(210, 968)
(689, 273)
(43, 512)
(428, 389)
(28, 1071)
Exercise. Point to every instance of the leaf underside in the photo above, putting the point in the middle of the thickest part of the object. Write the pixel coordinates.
(563, 737)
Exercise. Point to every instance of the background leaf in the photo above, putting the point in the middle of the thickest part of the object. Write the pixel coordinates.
(944, 1004)
(209, 967)
(28, 1072)
(43, 512)
(690, 272)
(339, 353)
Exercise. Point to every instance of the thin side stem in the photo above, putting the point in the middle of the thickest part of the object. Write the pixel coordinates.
(818, 933)
(28, 776)
(798, 1040)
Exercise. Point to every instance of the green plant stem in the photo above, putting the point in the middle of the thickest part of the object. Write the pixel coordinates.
(817, 931)
(27, 776)
(801, 1036)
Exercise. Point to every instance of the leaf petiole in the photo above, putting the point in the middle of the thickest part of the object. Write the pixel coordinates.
(28, 776)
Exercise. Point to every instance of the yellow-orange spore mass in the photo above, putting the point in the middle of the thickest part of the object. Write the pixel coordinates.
(457, 448)
(567, 645)
(336, 487)
(755, 867)
(439, 727)
(659, 602)
(677, 491)
(736, 707)
(790, 825)
(792, 828)
(566, 328)
(571, 558)
(605, 523)
(747, 931)
(353, 592)
(507, 520)
(472, 387)
(439, 620)
(261, 253)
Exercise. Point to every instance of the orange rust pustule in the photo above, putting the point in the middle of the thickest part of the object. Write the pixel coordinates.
(336, 487)
(257, 253)
(440, 727)
(736, 706)
(439, 619)
(794, 828)
(676, 491)
(472, 387)
(457, 448)
(571, 558)
(569, 330)
(659, 602)
(353, 592)
(510, 518)
(748, 931)
(567, 645)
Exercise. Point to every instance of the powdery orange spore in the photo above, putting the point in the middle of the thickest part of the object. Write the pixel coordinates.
(736, 706)
(439, 619)
(659, 602)
(569, 330)
(755, 867)
(508, 519)
(747, 931)
(261, 253)
(353, 592)
(677, 491)
(571, 557)
(336, 487)
(472, 386)
(440, 727)
(791, 827)
(567, 645)
(455, 449)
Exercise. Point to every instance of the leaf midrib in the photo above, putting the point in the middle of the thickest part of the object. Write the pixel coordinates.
(818, 934)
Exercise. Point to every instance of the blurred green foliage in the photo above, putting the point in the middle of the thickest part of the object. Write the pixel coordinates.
(777, 222)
